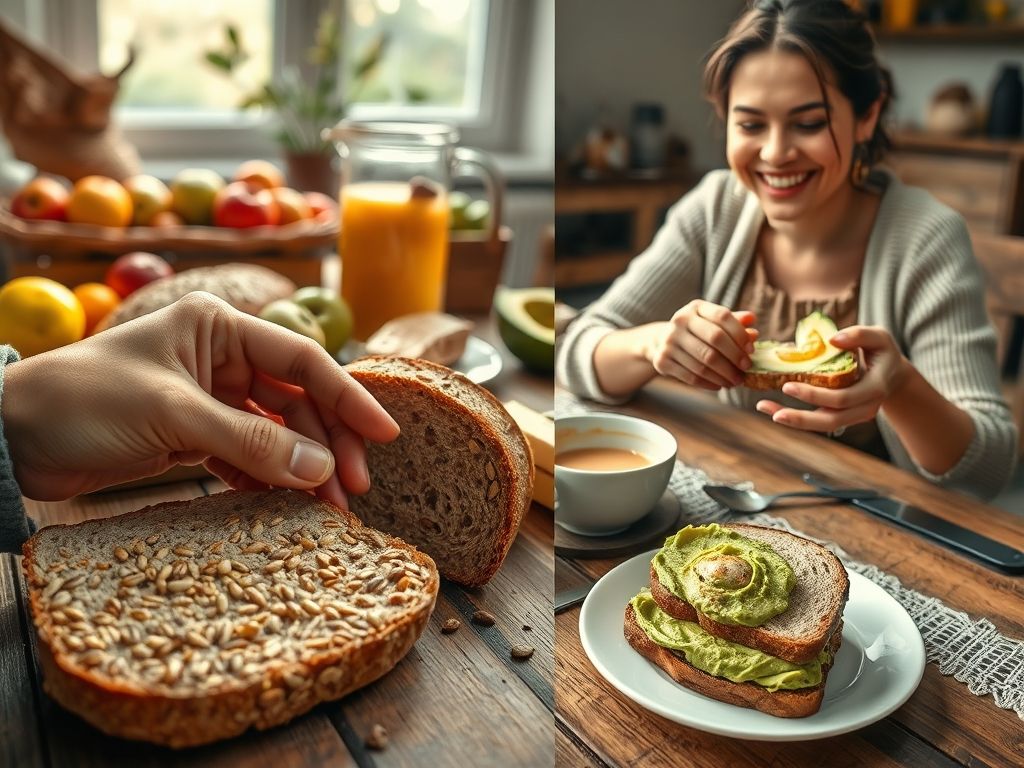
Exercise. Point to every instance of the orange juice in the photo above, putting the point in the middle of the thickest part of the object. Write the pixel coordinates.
(394, 252)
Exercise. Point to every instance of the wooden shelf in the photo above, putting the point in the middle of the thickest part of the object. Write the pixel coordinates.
(919, 140)
(1011, 32)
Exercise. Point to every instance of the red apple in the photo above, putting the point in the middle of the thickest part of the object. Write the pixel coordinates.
(320, 202)
(41, 198)
(133, 270)
(239, 206)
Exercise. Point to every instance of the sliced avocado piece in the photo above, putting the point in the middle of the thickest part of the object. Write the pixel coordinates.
(526, 322)
(766, 356)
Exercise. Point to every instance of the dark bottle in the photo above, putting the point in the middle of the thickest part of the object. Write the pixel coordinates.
(1006, 111)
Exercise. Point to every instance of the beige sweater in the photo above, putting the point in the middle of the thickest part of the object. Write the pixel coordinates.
(920, 281)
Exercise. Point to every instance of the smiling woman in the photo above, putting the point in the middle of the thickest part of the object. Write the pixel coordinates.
(804, 221)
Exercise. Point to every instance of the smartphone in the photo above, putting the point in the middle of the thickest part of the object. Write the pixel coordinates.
(985, 549)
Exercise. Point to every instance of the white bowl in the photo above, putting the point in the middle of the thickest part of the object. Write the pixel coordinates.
(604, 502)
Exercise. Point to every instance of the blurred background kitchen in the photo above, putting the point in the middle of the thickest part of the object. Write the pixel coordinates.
(633, 132)
(209, 84)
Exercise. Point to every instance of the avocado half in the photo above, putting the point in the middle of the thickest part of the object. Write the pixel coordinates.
(526, 322)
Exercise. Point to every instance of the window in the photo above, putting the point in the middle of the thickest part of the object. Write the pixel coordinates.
(450, 60)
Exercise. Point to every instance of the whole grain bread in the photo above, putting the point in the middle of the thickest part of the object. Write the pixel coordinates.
(246, 287)
(458, 480)
(815, 605)
(764, 380)
(782, 703)
(192, 621)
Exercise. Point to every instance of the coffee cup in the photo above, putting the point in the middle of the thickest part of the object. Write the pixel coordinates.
(610, 471)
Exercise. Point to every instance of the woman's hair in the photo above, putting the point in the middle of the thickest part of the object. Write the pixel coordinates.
(834, 39)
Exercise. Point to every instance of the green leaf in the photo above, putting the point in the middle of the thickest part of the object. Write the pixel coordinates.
(232, 34)
(416, 94)
(371, 56)
(220, 61)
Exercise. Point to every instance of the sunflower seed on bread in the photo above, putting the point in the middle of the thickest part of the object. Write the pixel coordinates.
(458, 480)
(192, 621)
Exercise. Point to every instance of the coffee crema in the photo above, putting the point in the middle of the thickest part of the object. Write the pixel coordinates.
(601, 459)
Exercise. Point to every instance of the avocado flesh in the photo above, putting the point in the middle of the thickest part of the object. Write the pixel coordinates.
(764, 358)
(526, 323)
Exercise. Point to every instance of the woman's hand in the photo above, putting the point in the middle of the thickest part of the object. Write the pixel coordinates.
(184, 385)
(885, 372)
(704, 344)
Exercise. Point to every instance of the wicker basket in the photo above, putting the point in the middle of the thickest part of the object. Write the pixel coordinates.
(78, 253)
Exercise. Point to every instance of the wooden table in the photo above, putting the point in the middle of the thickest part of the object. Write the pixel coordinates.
(456, 699)
(942, 724)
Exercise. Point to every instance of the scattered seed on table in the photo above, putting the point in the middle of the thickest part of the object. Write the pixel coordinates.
(483, 618)
(521, 652)
(378, 738)
(450, 625)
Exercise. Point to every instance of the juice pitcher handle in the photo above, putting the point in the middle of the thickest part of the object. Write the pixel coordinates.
(473, 162)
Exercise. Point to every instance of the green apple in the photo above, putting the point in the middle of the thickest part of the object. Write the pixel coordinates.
(330, 311)
(457, 202)
(294, 317)
(192, 194)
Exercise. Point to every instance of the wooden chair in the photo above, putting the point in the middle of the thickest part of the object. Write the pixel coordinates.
(1002, 260)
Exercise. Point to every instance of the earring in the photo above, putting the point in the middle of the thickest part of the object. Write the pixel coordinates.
(861, 168)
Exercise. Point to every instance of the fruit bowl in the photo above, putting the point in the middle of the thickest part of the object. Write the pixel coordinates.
(76, 253)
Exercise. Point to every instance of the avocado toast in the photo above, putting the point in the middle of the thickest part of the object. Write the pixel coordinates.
(810, 358)
(747, 615)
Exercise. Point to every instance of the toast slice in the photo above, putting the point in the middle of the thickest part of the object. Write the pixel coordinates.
(458, 480)
(815, 608)
(837, 373)
(192, 621)
(781, 703)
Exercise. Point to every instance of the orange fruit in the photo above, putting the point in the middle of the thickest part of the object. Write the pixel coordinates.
(100, 200)
(97, 300)
(259, 174)
(38, 314)
(814, 347)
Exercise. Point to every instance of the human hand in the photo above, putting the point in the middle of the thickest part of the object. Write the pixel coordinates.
(705, 345)
(178, 386)
(886, 370)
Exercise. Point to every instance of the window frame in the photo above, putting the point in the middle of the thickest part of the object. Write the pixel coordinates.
(64, 26)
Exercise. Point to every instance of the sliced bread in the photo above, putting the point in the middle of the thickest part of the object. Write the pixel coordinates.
(815, 605)
(192, 621)
(458, 480)
(837, 373)
(782, 703)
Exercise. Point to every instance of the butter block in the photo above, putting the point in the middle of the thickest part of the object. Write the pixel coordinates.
(544, 489)
(539, 431)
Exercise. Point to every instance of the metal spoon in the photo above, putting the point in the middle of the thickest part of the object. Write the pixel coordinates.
(749, 501)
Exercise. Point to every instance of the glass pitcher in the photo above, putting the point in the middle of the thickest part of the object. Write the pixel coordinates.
(395, 179)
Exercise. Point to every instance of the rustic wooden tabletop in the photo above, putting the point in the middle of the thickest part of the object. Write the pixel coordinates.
(457, 699)
(943, 723)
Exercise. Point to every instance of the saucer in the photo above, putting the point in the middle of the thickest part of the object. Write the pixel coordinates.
(640, 535)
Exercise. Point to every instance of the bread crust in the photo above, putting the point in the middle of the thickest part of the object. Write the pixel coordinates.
(246, 287)
(781, 703)
(125, 709)
(410, 379)
(765, 380)
(796, 650)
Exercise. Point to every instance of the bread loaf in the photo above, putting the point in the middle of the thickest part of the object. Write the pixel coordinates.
(458, 480)
(246, 287)
(193, 621)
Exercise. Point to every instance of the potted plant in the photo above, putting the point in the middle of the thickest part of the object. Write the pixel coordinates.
(306, 101)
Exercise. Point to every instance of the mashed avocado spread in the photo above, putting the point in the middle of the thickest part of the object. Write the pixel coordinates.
(725, 576)
(723, 658)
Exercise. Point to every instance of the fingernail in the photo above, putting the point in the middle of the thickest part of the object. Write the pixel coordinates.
(790, 389)
(840, 337)
(780, 418)
(311, 462)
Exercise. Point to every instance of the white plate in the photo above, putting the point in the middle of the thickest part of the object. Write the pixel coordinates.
(480, 362)
(878, 667)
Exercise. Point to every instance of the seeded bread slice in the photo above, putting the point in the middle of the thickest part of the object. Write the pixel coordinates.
(189, 622)
(815, 605)
(782, 703)
(837, 373)
(459, 479)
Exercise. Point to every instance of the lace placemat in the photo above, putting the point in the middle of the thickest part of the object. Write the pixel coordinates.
(971, 650)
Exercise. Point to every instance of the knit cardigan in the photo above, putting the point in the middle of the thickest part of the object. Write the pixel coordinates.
(920, 281)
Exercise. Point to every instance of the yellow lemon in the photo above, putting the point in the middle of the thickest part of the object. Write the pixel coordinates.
(38, 314)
